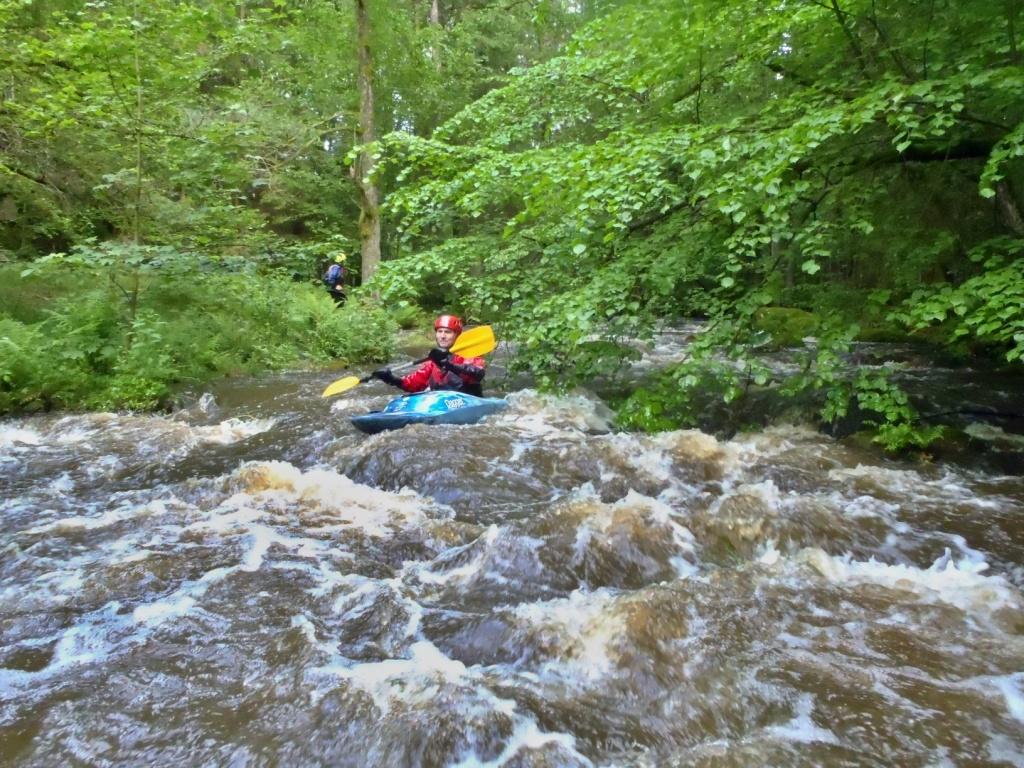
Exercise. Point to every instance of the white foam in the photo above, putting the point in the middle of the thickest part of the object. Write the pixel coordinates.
(747, 507)
(867, 506)
(308, 628)
(48, 590)
(584, 625)
(161, 611)
(261, 538)
(769, 554)
(958, 583)
(410, 679)
(694, 445)
(654, 511)
(12, 436)
(329, 579)
(70, 431)
(232, 430)
(527, 736)
(581, 545)
(802, 729)
(278, 484)
(756, 447)
(908, 484)
(111, 517)
(1002, 749)
(425, 571)
(63, 484)
(646, 455)
(134, 556)
(87, 641)
(1012, 688)
(349, 404)
(366, 599)
(544, 415)
(182, 601)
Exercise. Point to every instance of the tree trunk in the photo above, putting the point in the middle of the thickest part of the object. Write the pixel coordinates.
(1007, 202)
(133, 295)
(362, 170)
(1011, 31)
(434, 20)
(850, 37)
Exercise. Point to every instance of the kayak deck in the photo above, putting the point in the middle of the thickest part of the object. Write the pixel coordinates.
(436, 407)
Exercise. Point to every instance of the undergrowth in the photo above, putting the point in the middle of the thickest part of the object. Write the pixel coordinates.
(72, 339)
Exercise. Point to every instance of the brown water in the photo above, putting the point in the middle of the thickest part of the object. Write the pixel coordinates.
(251, 582)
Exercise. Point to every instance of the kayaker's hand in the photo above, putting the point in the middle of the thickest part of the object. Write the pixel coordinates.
(385, 375)
(439, 356)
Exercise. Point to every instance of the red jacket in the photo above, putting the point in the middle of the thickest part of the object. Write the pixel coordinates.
(431, 376)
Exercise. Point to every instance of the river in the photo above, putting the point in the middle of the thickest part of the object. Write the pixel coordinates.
(251, 582)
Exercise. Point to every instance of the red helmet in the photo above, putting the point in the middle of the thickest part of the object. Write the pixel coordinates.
(451, 322)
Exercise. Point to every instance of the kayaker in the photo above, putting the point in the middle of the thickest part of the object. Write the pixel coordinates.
(443, 370)
(334, 279)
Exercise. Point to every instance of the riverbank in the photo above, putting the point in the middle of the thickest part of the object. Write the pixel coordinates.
(80, 343)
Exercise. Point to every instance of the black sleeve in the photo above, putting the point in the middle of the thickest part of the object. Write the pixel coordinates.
(466, 369)
(385, 375)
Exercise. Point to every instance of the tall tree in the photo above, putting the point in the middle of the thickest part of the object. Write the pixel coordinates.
(246, 112)
(363, 167)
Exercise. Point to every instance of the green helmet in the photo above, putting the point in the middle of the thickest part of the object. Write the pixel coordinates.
(339, 258)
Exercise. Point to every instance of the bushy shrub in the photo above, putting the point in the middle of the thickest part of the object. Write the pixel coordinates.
(90, 347)
(21, 365)
(409, 316)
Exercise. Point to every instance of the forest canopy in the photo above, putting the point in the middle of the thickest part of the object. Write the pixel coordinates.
(857, 160)
(580, 173)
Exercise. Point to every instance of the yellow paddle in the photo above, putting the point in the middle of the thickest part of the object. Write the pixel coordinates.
(472, 343)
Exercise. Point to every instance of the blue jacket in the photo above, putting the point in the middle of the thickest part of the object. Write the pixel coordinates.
(334, 275)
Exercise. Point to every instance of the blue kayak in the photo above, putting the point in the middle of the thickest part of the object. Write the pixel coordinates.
(437, 407)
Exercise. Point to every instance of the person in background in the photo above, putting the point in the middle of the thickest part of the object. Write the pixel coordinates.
(334, 279)
(443, 370)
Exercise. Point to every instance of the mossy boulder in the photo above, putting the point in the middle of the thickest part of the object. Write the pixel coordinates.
(786, 326)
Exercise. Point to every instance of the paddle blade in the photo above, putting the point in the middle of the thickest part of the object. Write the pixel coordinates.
(475, 342)
(341, 385)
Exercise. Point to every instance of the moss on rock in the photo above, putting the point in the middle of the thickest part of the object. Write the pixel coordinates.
(787, 326)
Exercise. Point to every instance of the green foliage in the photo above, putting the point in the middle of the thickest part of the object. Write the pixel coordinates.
(896, 421)
(22, 369)
(172, 156)
(685, 395)
(680, 397)
(717, 159)
(89, 352)
(854, 161)
(218, 125)
(987, 308)
(408, 316)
